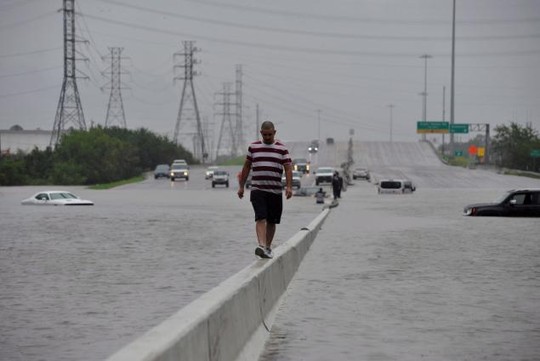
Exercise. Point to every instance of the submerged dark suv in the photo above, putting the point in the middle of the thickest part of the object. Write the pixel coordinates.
(514, 203)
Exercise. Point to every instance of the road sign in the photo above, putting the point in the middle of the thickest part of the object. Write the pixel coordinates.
(459, 128)
(458, 153)
(473, 150)
(431, 127)
(535, 153)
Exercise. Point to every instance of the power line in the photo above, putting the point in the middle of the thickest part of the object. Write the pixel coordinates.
(341, 18)
(319, 34)
(302, 49)
(32, 52)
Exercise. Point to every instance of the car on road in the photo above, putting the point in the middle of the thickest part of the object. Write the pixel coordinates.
(162, 171)
(296, 179)
(360, 173)
(391, 186)
(179, 171)
(56, 198)
(210, 172)
(179, 161)
(220, 177)
(306, 191)
(301, 165)
(513, 203)
(324, 175)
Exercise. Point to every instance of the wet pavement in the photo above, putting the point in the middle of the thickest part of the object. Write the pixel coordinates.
(407, 277)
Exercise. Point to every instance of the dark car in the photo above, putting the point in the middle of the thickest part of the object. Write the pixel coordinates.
(161, 171)
(514, 203)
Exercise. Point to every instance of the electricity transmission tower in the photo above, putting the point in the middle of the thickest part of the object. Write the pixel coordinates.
(227, 129)
(115, 109)
(239, 131)
(69, 110)
(188, 94)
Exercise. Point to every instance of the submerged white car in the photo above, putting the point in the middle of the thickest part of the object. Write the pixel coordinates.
(56, 198)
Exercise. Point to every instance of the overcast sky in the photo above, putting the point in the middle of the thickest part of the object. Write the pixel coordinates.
(341, 61)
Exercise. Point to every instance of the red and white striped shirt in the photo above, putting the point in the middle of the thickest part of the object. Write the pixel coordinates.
(267, 162)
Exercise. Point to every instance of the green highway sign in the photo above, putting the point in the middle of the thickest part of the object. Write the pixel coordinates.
(459, 128)
(431, 127)
(458, 153)
(535, 153)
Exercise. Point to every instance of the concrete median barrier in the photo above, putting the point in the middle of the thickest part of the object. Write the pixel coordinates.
(233, 320)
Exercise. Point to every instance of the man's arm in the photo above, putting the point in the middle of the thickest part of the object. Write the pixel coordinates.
(288, 180)
(243, 178)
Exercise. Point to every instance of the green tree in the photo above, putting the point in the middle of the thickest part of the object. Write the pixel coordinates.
(12, 171)
(513, 144)
(104, 158)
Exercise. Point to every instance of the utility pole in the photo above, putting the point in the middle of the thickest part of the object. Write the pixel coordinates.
(257, 122)
(391, 106)
(424, 112)
(443, 113)
(115, 109)
(452, 92)
(319, 118)
(188, 93)
(69, 110)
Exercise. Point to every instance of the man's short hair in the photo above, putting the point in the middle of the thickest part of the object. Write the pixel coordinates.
(267, 125)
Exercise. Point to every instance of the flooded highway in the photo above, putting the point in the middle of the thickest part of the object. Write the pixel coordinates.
(393, 277)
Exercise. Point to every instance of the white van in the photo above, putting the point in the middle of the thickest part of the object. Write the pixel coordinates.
(396, 186)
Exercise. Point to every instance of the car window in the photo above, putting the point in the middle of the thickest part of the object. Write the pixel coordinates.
(519, 198)
(535, 198)
(390, 184)
(42, 197)
(56, 196)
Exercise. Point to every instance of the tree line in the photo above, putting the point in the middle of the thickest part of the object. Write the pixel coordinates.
(511, 147)
(95, 156)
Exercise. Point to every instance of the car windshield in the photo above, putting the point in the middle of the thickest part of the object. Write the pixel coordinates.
(502, 197)
(162, 167)
(178, 166)
(220, 172)
(325, 170)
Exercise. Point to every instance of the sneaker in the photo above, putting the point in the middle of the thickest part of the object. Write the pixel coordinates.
(260, 252)
(269, 252)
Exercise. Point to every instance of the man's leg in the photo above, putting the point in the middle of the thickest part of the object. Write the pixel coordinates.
(270, 231)
(260, 230)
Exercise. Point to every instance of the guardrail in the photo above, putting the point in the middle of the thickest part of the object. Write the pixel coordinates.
(233, 320)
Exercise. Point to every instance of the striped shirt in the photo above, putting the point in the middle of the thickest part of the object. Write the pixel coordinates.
(267, 162)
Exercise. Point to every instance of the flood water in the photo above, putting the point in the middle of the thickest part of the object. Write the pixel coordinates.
(389, 277)
(79, 283)
(410, 278)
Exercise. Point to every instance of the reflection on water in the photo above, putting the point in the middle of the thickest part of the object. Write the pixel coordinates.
(79, 283)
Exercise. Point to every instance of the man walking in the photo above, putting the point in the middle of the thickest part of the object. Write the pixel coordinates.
(266, 159)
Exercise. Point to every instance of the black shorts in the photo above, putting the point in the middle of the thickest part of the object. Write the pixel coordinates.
(267, 205)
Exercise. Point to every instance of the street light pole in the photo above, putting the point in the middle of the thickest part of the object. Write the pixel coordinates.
(453, 73)
(391, 106)
(424, 114)
(319, 118)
